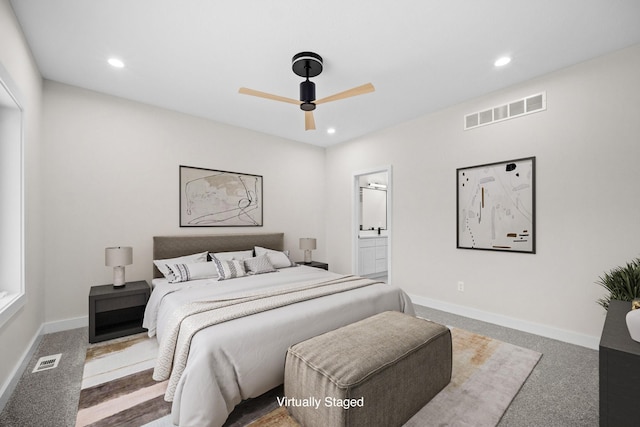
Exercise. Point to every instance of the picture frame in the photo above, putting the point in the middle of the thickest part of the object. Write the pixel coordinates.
(216, 198)
(495, 205)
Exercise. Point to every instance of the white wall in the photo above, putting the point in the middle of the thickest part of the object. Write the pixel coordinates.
(112, 179)
(587, 150)
(17, 334)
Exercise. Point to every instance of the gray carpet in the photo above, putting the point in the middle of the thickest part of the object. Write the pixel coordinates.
(561, 391)
(49, 398)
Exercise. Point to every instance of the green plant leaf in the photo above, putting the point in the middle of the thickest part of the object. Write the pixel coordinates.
(622, 283)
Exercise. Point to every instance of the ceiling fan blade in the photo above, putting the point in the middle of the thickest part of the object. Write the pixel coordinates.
(360, 90)
(309, 121)
(252, 92)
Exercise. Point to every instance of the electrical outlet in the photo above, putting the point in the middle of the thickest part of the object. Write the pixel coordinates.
(460, 286)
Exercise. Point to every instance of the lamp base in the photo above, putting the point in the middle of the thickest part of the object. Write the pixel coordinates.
(118, 277)
(307, 256)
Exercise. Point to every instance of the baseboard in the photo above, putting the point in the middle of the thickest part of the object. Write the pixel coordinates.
(65, 325)
(7, 388)
(46, 328)
(510, 322)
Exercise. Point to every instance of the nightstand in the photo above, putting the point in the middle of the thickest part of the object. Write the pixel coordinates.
(117, 312)
(315, 264)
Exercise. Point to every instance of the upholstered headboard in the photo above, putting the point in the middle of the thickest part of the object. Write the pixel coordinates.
(175, 246)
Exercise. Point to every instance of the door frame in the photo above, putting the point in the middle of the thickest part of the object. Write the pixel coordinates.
(355, 221)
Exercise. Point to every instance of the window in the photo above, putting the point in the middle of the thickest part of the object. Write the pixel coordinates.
(12, 289)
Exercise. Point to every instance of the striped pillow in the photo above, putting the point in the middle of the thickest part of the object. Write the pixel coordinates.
(193, 271)
(229, 269)
(163, 264)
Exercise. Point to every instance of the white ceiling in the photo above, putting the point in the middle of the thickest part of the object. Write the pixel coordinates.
(421, 55)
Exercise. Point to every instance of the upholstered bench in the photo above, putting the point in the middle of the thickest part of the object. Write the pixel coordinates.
(379, 371)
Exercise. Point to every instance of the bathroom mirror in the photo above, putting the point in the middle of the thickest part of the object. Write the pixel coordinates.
(373, 209)
(373, 201)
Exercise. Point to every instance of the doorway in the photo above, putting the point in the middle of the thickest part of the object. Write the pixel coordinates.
(371, 227)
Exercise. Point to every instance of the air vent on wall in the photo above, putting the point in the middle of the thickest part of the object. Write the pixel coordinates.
(509, 110)
(47, 362)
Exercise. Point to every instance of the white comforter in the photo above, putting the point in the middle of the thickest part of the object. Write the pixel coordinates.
(244, 357)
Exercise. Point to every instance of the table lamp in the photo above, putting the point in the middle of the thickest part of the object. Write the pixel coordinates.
(117, 257)
(308, 244)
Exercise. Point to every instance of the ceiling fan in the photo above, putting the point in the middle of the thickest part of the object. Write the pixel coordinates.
(307, 65)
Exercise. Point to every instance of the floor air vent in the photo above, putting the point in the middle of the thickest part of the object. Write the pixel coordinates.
(509, 110)
(47, 362)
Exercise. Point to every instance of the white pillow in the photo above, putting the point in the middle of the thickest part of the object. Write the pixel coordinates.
(187, 259)
(278, 259)
(229, 269)
(239, 255)
(197, 270)
(258, 265)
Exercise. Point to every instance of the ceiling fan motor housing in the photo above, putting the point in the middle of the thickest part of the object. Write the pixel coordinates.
(307, 95)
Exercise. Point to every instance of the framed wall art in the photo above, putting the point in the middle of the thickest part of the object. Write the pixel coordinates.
(214, 198)
(496, 206)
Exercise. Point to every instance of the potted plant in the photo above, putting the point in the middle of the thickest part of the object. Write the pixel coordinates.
(623, 283)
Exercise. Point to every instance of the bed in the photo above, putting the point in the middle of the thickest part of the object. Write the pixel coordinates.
(238, 352)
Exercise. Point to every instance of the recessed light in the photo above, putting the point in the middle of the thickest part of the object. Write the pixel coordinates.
(331, 131)
(501, 62)
(115, 62)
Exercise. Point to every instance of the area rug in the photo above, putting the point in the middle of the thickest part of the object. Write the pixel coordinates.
(487, 374)
(118, 390)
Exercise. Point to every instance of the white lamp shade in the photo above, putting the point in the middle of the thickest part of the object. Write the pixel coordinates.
(118, 256)
(307, 243)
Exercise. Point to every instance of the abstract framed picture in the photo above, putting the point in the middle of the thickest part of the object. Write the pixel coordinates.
(496, 206)
(215, 198)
